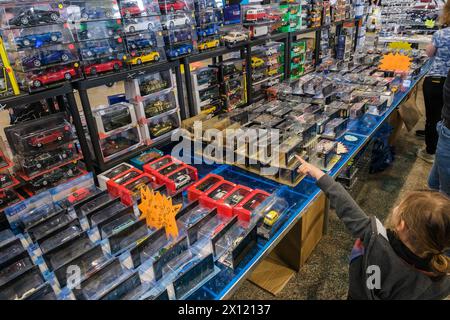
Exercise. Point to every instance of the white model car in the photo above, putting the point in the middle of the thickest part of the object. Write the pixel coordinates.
(176, 21)
(273, 82)
(138, 25)
(234, 37)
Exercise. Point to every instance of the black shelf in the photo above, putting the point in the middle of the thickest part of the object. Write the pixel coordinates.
(125, 74)
(27, 98)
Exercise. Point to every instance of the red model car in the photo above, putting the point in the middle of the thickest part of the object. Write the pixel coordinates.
(130, 9)
(103, 67)
(53, 76)
(46, 138)
(172, 5)
(78, 195)
(274, 16)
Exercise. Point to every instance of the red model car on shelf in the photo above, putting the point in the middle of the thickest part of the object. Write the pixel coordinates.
(78, 195)
(172, 5)
(274, 16)
(49, 77)
(47, 137)
(103, 67)
(130, 9)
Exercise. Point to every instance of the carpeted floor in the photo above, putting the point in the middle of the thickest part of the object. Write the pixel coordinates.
(325, 275)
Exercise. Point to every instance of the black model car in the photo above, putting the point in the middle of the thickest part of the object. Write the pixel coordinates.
(55, 176)
(207, 76)
(34, 16)
(209, 93)
(8, 197)
(45, 160)
(5, 180)
(116, 119)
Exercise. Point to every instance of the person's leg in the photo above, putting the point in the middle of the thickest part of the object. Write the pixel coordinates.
(442, 162)
(433, 178)
(434, 101)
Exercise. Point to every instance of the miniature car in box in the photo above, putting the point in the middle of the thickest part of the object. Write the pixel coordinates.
(209, 44)
(172, 5)
(162, 104)
(102, 67)
(117, 116)
(154, 167)
(114, 182)
(146, 157)
(51, 76)
(202, 186)
(206, 75)
(130, 191)
(111, 173)
(8, 197)
(152, 86)
(44, 58)
(79, 195)
(55, 177)
(325, 151)
(176, 21)
(180, 179)
(38, 40)
(218, 192)
(153, 56)
(180, 50)
(162, 125)
(118, 143)
(49, 137)
(32, 16)
(226, 205)
(256, 14)
(245, 208)
(6, 180)
(208, 30)
(33, 164)
(234, 37)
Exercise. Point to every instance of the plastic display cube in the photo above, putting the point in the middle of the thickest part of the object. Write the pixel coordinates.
(115, 181)
(180, 179)
(202, 186)
(138, 8)
(99, 30)
(325, 151)
(335, 128)
(111, 173)
(103, 56)
(54, 177)
(120, 143)
(156, 104)
(29, 13)
(93, 10)
(155, 166)
(244, 210)
(225, 206)
(114, 118)
(40, 135)
(130, 192)
(211, 198)
(146, 157)
(161, 126)
(32, 165)
(147, 85)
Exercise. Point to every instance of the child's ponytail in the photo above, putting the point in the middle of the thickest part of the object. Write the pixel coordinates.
(441, 263)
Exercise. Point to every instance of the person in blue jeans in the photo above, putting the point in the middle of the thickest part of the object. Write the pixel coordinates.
(439, 178)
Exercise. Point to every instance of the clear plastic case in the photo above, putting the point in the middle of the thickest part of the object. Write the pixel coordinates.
(93, 204)
(181, 178)
(111, 173)
(36, 136)
(235, 35)
(8, 198)
(39, 37)
(107, 214)
(202, 186)
(152, 55)
(219, 192)
(22, 286)
(156, 105)
(88, 263)
(274, 212)
(99, 30)
(15, 269)
(72, 230)
(33, 165)
(122, 288)
(93, 10)
(246, 208)
(161, 126)
(170, 6)
(113, 183)
(120, 143)
(146, 157)
(138, 8)
(117, 225)
(335, 128)
(10, 250)
(66, 252)
(325, 151)
(127, 237)
(227, 204)
(114, 118)
(48, 226)
(131, 191)
(148, 85)
(55, 177)
(29, 13)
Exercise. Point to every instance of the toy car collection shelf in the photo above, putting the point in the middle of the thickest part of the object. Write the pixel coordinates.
(305, 194)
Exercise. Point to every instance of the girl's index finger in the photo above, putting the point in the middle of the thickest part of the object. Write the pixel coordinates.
(300, 159)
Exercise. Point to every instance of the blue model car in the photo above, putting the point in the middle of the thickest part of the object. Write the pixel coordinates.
(38, 40)
(178, 36)
(96, 13)
(208, 30)
(47, 57)
(209, 17)
(180, 50)
(138, 44)
(93, 52)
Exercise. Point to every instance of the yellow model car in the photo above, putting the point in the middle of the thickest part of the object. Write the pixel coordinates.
(271, 217)
(209, 44)
(146, 57)
(272, 72)
(257, 62)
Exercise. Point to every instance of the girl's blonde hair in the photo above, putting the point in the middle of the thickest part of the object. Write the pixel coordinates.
(444, 18)
(427, 218)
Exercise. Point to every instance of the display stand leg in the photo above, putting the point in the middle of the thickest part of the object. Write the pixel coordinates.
(293, 250)
(189, 90)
